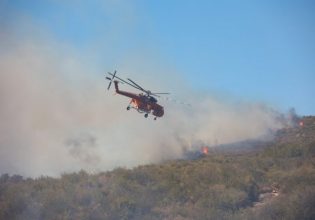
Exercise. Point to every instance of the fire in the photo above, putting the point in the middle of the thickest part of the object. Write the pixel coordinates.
(205, 150)
(134, 103)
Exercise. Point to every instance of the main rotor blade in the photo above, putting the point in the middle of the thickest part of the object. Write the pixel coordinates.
(124, 81)
(161, 93)
(137, 85)
(176, 101)
(149, 92)
(157, 94)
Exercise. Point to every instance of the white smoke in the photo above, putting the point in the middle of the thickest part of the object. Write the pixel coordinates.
(57, 118)
(56, 115)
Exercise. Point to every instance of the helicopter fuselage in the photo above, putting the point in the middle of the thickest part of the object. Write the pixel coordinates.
(142, 103)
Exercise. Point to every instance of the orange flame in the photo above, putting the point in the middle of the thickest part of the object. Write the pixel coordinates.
(205, 150)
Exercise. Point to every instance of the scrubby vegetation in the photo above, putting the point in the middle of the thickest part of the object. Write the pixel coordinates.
(218, 186)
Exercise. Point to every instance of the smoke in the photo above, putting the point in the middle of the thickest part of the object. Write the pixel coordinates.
(81, 147)
(56, 115)
(55, 118)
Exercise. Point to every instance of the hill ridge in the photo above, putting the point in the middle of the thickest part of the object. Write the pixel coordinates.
(217, 186)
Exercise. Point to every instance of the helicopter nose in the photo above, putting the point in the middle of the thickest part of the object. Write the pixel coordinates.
(158, 112)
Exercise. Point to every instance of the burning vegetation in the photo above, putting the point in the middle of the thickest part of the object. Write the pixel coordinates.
(214, 186)
(201, 152)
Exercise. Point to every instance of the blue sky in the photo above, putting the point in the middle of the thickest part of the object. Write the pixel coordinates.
(252, 50)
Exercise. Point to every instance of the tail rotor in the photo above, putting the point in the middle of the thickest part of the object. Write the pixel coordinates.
(110, 79)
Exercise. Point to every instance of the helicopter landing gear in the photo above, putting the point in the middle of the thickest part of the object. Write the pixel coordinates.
(128, 108)
(146, 115)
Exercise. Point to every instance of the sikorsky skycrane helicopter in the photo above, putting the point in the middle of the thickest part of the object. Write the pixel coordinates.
(144, 102)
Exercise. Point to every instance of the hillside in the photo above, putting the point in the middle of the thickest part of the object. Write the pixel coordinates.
(275, 181)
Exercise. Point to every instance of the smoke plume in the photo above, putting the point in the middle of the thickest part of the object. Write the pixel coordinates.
(56, 115)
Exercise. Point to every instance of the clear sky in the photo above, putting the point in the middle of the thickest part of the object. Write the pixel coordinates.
(253, 50)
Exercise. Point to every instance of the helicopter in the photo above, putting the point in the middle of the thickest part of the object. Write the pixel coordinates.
(144, 102)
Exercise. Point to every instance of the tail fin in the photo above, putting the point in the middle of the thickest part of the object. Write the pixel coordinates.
(116, 85)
